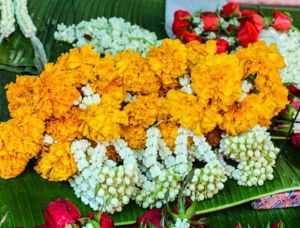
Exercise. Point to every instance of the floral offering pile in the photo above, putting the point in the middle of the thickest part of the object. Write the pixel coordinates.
(233, 28)
(130, 127)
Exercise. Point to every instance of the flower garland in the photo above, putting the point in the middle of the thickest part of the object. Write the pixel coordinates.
(115, 140)
(7, 21)
(107, 35)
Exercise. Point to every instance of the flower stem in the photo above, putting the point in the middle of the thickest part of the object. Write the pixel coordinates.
(279, 137)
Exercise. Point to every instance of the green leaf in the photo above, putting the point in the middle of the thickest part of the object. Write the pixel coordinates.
(16, 52)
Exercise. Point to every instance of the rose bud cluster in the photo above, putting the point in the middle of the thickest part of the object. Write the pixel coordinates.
(255, 154)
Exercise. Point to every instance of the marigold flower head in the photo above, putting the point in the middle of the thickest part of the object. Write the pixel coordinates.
(143, 111)
(103, 122)
(258, 56)
(169, 132)
(54, 93)
(19, 95)
(218, 79)
(168, 61)
(197, 51)
(135, 73)
(56, 162)
(22, 135)
(66, 127)
(12, 164)
(135, 136)
(79, 64)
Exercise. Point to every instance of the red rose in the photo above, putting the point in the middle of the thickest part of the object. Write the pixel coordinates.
(247, 34)
(231, 9)
(222, 45)
(296, 140)
(230, 28)
(187, 36)
(254, 18)
(152, 216)
(106, 221)
(211, 21)
(60, 213)
(181, 20)
(281, 21)
(294, 90)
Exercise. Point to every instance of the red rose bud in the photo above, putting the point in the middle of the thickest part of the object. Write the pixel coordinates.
(254, 18)
(222, 45)
(91, 215)
(231, 9)
(238, 225)
(187, 36)
(106, 221)
(247, 34)
(60, 213)
(152, 216)
(294, 90)
(181, 20)
(281, 21)
(211, 21)
(277, 225)
(296, 140)
(230, 28)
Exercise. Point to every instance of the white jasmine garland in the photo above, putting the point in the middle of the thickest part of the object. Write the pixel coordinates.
(48, 140)
(29, 30)
(255, 153)
(100, 182)
(246, 87)
(7, 20)
(185, 83)
(288, 44)
(108, 35)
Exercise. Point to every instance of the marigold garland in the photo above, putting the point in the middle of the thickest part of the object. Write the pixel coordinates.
(136, 93)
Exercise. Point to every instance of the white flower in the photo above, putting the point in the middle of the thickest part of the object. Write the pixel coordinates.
(48, 140)
(7, 21)
(181, 223)
(108, 35)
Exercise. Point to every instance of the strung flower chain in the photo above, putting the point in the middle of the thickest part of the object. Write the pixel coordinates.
(29, 31)
(185, 84)
(88, 98)
(7, 21)
(101, 183)
(108, 35)
(255, 153)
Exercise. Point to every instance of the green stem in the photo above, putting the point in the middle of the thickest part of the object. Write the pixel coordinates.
(279, 137)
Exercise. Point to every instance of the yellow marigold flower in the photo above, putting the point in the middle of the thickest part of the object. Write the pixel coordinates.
(79, 64)
(168, 61)
(106, 74)
(66, 127)
(19, 95)
(135, 73)
(22, 135)
(54, 93)
(56, 163)
(102, 123)
(190, 113)
(143, 111)
(257, 56)
(11, 165)
(135, 136)
(243, 116)
(169, 132)
(197, 51)
(112, 95)
(218, 79)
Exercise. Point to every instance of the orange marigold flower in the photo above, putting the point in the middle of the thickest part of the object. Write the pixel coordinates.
(66, 127)
(11, 164)
(19, 95)
(143, 111)
(135, 73)
(169, 132)
(56, 162)
(102, 123)
(54, 93)
(197, 51)
(168, 61)
(218, 79)
(135, 136)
